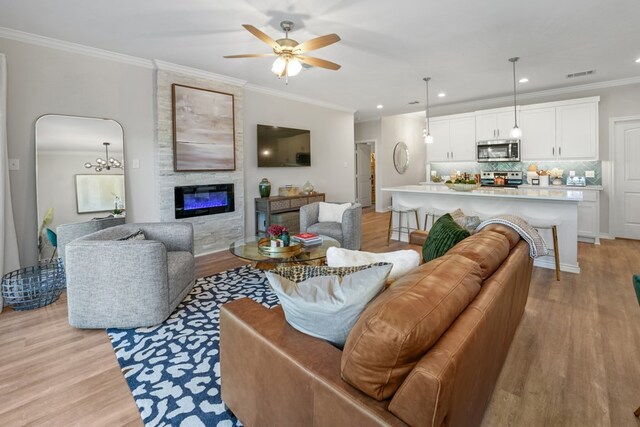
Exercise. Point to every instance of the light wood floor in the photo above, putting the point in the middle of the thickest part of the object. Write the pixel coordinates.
(575, 359)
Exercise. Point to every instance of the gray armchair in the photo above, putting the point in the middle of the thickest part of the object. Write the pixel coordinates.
(115, 283)
(69, 232)
(348, 233)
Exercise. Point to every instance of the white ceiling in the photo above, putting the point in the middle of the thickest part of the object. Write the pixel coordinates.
(386, 48)
(55, 133)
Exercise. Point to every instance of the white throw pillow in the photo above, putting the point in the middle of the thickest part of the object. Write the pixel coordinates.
(331, 212)
(326, 302)
(403, 261)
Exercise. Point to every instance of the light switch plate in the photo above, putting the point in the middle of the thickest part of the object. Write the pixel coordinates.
(14, 164)
(590, 174)
(572, 173)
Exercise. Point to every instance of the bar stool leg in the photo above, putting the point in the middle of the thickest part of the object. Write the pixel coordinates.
(426, 219)
(417, 223)
(400, 224)
(390, 227)
(556, 253)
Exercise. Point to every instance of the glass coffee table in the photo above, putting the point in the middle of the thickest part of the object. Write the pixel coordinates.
(247, 248)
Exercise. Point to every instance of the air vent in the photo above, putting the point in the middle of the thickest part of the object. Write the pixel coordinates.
(414, 102)
(580, 74)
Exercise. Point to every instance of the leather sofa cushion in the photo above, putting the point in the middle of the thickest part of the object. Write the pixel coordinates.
(508, 232)
(404, 322)
(489, 249)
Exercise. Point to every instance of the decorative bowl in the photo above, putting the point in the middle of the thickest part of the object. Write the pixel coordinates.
(264, 246)
(463, 187)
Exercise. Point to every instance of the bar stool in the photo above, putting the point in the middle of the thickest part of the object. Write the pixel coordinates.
(540, 224)
(400, 211)
(434, 213)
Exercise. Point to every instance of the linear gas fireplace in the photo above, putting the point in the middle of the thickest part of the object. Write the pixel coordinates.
(198, 200)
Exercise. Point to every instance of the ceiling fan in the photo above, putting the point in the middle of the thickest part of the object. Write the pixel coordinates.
(290, 53)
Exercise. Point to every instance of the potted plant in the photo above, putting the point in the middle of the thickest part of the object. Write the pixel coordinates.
(278, 232)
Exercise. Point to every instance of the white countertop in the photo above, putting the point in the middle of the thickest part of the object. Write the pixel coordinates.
(552, 187)
(529, 192)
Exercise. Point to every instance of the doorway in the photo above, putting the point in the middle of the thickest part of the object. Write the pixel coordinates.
(365, 173)
(625, 155)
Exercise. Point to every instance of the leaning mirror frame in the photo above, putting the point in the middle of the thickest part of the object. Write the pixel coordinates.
(70, 150)
(401, 157)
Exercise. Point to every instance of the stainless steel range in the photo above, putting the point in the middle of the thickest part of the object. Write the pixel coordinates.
(501, 179)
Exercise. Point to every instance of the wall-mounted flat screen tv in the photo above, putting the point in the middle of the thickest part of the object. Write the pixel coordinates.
(283, 147)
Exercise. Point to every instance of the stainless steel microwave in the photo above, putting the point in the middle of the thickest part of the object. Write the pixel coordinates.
(498, 150)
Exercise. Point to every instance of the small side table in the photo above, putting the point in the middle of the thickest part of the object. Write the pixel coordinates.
(35, 286)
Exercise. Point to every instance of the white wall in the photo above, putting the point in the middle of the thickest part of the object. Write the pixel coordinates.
(332, 169)
(394, 129)
(41, 81)
(368, 131)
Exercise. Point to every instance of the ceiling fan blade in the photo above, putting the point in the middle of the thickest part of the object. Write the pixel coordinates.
(250, 55)
(262, 36)
(317, 43)
(317, 62)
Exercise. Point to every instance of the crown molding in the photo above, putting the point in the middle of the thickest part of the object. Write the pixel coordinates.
(299, 98)
(196, 72)
(66, 46)
(535, 95)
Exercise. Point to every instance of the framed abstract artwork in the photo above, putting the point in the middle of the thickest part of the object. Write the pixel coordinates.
(203, 130)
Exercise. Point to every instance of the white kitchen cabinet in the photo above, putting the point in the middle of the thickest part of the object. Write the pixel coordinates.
(463, 139)
(454, 140)
(589, 217)
(494, 125)
(538, 133)
(440, 149)
(577, 131)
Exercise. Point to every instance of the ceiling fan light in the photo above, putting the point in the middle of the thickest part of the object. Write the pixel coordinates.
(293, 67)
(278, 66)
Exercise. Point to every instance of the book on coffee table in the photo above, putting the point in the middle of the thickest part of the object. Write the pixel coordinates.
(307, 239)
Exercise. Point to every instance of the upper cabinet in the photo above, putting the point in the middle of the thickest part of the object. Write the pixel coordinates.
(577, 131)
(563, 130)
(538, 133)
(566, 130)
(454, 139)
(494, 125)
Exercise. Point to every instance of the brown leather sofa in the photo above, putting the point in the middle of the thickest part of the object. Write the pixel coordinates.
(426, 352)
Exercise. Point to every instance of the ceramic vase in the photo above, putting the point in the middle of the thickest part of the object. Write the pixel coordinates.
(286, 239)
(307, 188)
(264, 187)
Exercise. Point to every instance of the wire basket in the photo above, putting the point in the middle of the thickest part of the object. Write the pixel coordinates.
(34, 287)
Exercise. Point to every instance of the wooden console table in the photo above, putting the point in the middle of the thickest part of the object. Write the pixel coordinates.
(269, 206)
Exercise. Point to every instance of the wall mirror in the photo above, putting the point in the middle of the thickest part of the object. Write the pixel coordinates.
(401, 157)
(79, 172)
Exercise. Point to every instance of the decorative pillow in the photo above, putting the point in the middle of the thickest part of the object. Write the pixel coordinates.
(469, 223)
(326, 302)
(332, 212)
(136, 235)
(403, 261)
(444, 235)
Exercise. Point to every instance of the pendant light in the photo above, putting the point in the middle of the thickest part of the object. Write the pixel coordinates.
(428, 138)
(515, 131)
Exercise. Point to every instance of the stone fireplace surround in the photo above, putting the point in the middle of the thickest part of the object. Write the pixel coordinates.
(212, 232)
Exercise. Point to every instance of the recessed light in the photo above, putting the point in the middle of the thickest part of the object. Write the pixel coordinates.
(638, 60)
(379, 106)
(523, 80)
(442, 95)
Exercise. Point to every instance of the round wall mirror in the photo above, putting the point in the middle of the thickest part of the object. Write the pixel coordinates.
(401, 157)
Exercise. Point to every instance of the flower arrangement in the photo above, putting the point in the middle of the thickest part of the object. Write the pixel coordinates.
(275, 231)
(555, 173)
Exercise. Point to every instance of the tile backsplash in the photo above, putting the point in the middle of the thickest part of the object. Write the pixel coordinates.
(580, 167)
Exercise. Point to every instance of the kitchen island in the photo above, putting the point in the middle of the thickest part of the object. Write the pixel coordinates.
(543, 204)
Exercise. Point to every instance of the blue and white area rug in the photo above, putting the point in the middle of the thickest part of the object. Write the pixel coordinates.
(173, 369)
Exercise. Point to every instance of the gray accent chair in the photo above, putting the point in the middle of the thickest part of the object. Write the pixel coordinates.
(69, 232)
(348, 233)
(115, 283)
